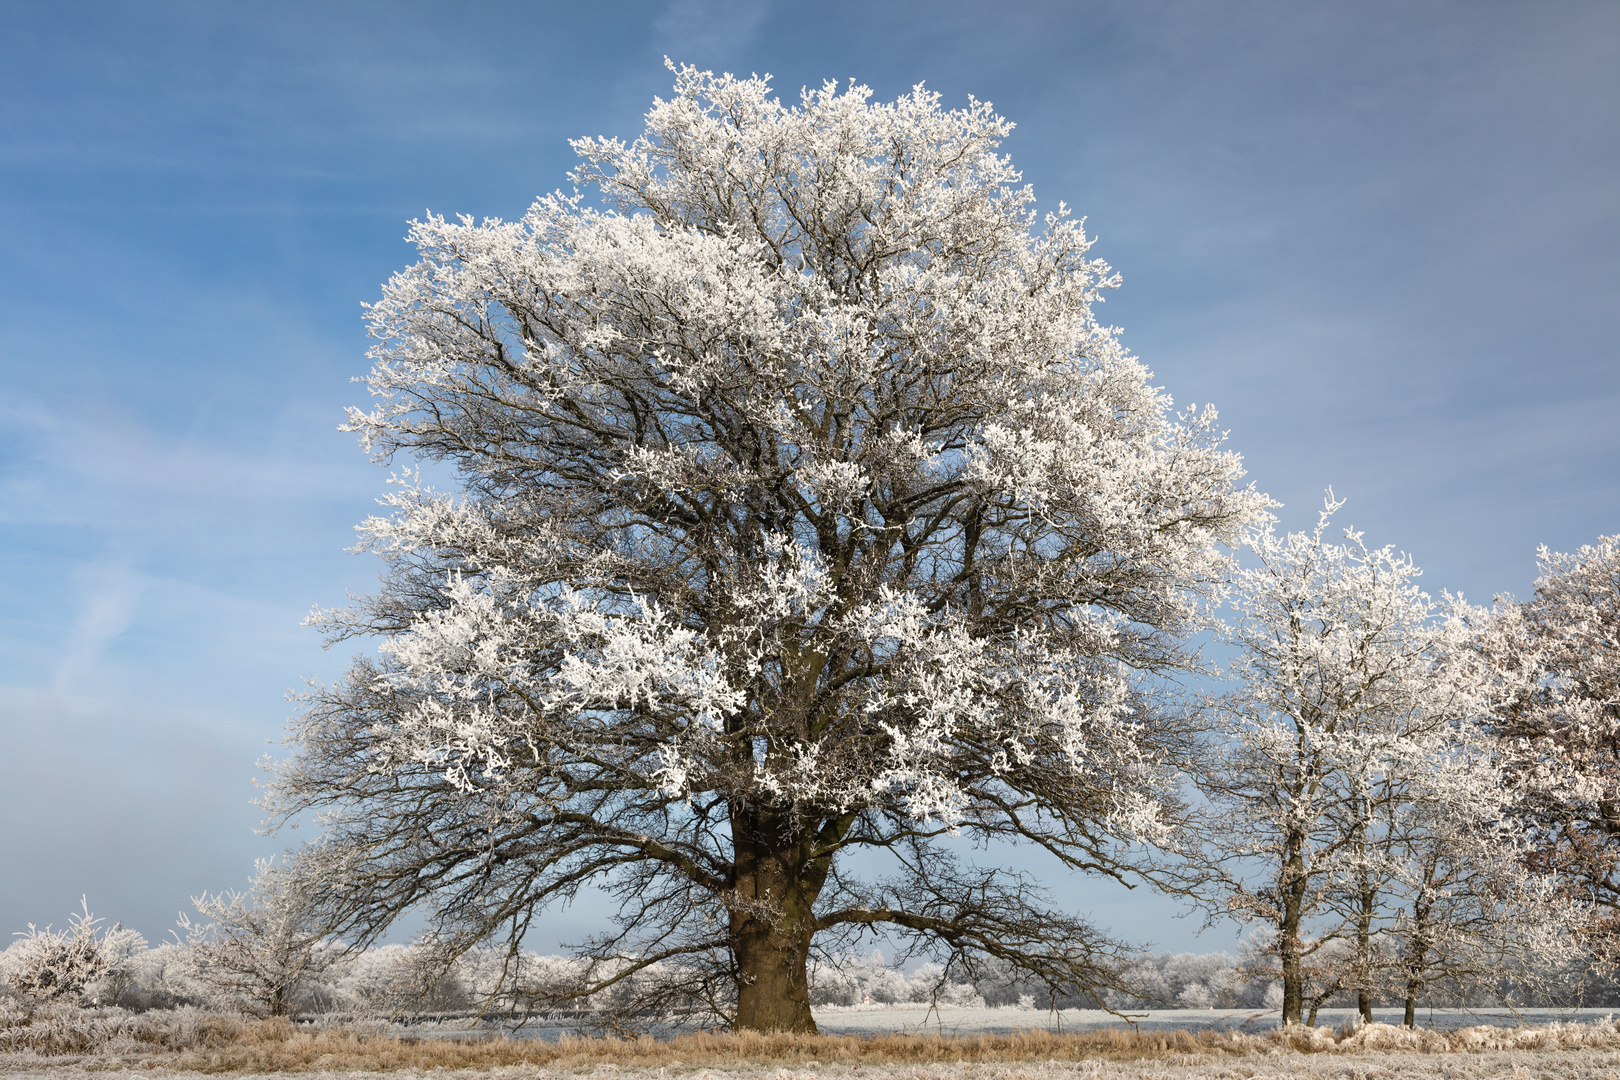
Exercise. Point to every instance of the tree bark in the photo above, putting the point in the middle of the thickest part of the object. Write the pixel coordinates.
(773, 989)
(1417, 952)
(1292, 893)
(1293, 980)
(772, 923)
(1364, 953)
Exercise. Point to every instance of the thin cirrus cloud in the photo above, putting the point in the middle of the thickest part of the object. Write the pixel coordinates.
(108, 590)
(695, 30)
(151, 472)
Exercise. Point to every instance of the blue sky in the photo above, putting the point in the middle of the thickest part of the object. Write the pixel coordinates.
(1382, 238)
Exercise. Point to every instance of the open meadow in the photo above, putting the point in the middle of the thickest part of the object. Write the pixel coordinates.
(185, 1043)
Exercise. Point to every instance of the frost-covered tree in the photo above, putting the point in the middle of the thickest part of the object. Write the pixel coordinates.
(122, 953)
(1346, 697)
(390, 980)
(1468, 912)
(870, 980)
(1190, 980)
(1360, 810)
(1556, 662)
(805, 509)
(256, 949)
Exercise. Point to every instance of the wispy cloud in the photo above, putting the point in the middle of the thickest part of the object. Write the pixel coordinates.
(708, 31)
(129, 475)
(109, 590)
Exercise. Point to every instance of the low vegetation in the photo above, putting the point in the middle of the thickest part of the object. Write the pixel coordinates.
(195, 1040)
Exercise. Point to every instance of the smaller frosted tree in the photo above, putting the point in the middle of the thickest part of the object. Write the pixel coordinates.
(1345, 693)
(1555, 666)
(256, 948)
(122, 955)
(1467, 909)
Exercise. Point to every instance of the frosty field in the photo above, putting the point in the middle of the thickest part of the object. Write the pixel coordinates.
(1555, 1065)
(1579, 1065)
(907, 1019)
(1170, 1044)
(868, 1020)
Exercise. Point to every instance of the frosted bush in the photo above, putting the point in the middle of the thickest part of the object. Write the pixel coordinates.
(1187, 980)
(51, 965)
(856, 979)
(374, 981)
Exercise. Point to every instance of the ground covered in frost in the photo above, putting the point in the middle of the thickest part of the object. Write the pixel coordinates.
(948, 1020)
(62, 1044)
(1509, 1065)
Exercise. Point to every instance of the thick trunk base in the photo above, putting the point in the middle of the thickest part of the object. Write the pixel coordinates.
(773, 991)
(772, 924)
(770, 1009)
(772, 951)
(1293, 1003)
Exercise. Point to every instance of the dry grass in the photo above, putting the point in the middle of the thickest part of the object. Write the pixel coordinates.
(223, 1044)
(192, 1042)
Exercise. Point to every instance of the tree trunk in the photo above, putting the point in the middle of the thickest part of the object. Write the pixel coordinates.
(772, 923)
(1366, 897)
(1417, 953)
(1364, 954)
(1293, 979)
(1292, 885)
(773, 986)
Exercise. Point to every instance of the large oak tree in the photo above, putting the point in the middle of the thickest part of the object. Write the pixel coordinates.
(804, 509)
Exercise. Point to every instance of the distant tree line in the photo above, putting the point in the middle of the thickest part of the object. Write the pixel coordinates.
(91, 965)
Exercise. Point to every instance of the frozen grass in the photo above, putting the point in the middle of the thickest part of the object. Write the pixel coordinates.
(1572, 1065)
(948, 1020)
(61, 1043)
